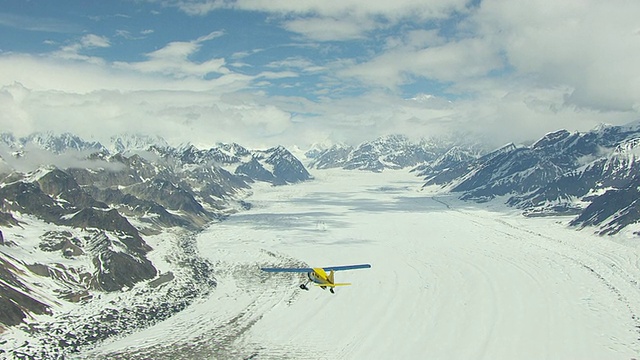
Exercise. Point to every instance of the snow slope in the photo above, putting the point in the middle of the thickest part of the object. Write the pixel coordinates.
(449, 280)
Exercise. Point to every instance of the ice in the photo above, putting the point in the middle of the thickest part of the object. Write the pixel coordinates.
(449, 280)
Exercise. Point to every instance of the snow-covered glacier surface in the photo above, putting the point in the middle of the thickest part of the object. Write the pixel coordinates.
(449, 280)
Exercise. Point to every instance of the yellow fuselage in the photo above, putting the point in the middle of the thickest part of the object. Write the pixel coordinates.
(319, 276)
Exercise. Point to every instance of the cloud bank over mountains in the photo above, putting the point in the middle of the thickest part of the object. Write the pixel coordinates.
(282, 72)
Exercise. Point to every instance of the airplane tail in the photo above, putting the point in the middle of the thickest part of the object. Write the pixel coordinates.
(332, 285)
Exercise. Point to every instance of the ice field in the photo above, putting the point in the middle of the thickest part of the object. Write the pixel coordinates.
(449, 280)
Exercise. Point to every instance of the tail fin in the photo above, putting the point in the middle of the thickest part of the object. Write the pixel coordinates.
(331, 277)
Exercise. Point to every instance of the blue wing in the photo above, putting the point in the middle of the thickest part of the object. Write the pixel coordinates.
(297, 270)
(304, 270)
(347, 267)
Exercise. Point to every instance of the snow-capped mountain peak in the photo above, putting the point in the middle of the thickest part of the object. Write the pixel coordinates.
(136, 142)
(59, 143)
(386, 152)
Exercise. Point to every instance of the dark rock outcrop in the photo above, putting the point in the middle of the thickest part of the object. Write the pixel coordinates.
(14, 299)
(593, 175)
(97, 210)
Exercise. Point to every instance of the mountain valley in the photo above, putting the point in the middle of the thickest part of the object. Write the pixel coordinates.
(100, 242)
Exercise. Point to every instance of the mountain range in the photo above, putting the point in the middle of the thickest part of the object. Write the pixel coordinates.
(79, 219)
(392, 152)
(591, 175)
(77, 216)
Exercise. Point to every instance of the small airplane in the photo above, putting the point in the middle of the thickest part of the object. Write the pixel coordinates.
(319, 275)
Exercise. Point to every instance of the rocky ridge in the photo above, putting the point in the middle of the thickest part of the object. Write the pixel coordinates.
(393, 152)
(75, 234)
(592, 176)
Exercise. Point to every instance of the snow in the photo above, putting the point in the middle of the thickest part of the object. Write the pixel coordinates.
(26, 239)
(449, 280)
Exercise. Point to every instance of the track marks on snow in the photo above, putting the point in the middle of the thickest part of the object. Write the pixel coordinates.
(609, 264)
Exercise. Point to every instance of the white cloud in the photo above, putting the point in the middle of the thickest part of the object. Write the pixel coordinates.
(296, 62)
(74, 51)
(256, 119)
(329, 28)
(212, 35)
(33, 157)
(34, 23)
(456, 62)
(590, 46)
(276, 75)
(202, 117)
(389, 9)
(329, 20)
(516, 69)
(94, 41)
(44, 73)
(174, 60)
(129, 36)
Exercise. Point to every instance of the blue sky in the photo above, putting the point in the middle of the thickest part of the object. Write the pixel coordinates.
(266, 72)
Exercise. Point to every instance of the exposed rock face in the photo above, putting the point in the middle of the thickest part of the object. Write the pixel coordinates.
(613, 210)
(59, 184)
(168, 195)
(129, 205)
(276, 166)
(593, 175)
(122, 269)
(14, 298)
(92, 222)
(254, 170)
(28, 198)
(286, 167)
(111, 221)
(62, 241)
(69, 205)
(7, 219)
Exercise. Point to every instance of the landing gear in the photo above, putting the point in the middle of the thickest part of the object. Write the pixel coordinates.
(304, 287)
(331, 289)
